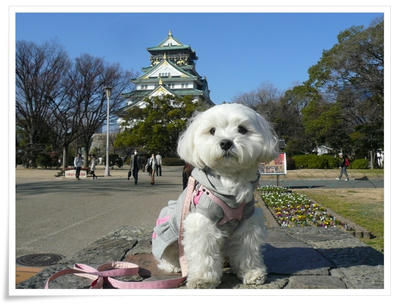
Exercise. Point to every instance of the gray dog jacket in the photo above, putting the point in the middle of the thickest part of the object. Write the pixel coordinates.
(210, 199)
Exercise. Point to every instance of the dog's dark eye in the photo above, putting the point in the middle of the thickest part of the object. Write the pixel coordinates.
(212, 131)
(242, 129)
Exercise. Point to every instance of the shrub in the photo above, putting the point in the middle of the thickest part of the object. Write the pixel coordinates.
(43, 160)
(359, 164)
(333, 162)
(314, 161)
(300, 161)
(329, 161)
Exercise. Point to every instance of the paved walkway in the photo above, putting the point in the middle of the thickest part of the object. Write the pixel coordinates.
(107, 219)
(62, 216)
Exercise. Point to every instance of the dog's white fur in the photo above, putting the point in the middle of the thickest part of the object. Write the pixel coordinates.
(205, 245)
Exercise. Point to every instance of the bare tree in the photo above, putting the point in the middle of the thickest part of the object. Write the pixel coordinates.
(58, 103)
(266, 93)
(88, 78)
(39, 74)
(65, 123)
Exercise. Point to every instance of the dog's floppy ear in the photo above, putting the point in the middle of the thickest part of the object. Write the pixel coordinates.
(186, 145)
(270, 147)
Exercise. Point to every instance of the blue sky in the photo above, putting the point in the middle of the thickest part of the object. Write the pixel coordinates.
(238, 52)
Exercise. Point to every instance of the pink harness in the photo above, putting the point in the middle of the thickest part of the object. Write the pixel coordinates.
(229, 213)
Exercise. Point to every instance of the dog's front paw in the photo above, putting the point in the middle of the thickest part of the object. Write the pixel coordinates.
(166, 266)
(201, 284)
(254, 277)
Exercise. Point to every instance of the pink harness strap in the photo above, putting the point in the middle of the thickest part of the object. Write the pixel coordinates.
(229, 213)
(185, 211)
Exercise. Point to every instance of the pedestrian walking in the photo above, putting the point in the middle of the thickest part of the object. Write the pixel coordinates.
(134, 167)
(344, 164)
(379, 158)
(158, 164)
(78, 165)
(151, 165)
(93, 163)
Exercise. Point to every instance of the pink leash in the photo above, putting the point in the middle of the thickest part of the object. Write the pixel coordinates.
(105, 272)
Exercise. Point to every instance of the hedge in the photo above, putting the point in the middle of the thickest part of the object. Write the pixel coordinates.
(359, 164)
(314, 161)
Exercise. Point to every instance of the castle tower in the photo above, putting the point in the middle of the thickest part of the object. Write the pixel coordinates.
(172, 71)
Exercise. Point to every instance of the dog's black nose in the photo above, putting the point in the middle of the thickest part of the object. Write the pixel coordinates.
(226, 144)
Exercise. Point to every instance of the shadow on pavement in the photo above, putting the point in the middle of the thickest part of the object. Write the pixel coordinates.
(90, 186)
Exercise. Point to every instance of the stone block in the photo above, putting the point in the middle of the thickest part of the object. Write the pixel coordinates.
(315, 282)
(361, 277)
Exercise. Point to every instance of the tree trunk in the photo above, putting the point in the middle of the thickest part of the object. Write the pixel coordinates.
(64, 158)
(86, 154)
(371, 160)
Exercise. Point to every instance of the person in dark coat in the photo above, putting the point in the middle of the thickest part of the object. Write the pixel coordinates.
(134, 168)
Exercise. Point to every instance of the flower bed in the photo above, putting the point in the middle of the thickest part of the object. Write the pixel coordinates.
(291, 209)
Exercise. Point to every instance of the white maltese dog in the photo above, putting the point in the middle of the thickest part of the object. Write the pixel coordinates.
(225, 144)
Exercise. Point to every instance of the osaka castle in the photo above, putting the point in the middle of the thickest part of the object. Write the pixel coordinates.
(171, 71)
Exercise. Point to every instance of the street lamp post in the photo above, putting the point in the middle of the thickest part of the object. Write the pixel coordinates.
(107, 168)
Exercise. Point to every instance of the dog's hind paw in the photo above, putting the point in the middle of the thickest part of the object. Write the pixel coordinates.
(254, 277)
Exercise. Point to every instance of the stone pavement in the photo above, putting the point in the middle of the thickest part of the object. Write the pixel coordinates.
(297, 258)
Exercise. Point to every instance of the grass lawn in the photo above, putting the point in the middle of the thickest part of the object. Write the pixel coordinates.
(364, 207)
(328, 174)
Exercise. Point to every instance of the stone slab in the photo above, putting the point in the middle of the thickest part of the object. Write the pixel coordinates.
(361, 277)
(315, 282)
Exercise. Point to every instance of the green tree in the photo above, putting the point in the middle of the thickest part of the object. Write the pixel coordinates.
(288, 118)
(351, 74)
(156, 127)
(324, 124)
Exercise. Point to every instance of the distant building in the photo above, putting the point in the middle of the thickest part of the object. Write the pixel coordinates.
(98, 145)
(323, 150)
(171, 71)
